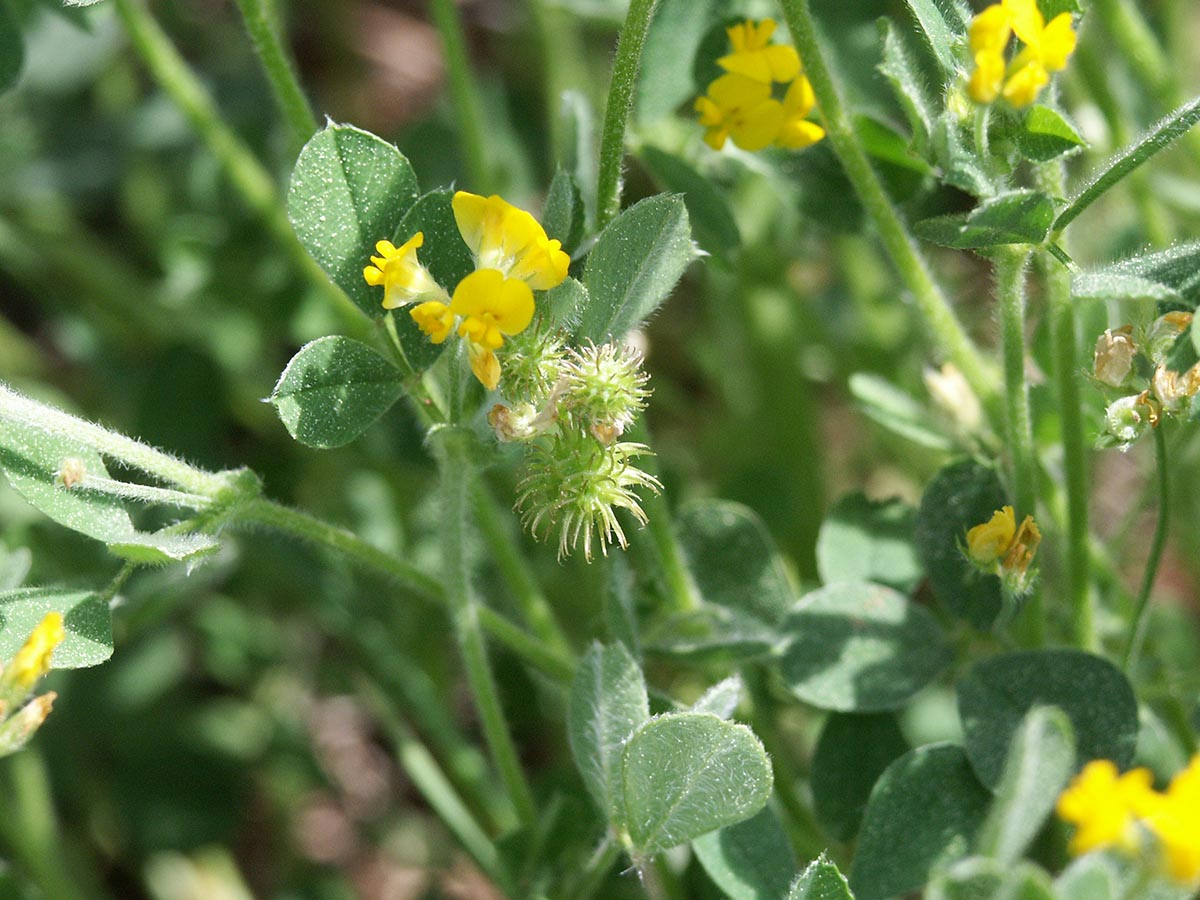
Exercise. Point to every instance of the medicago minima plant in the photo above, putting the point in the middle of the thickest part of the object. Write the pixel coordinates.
(949, 695)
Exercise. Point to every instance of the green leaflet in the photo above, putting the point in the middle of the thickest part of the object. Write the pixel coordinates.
(867, 540)
(1158, 138)
(1014, 217)
(751, 860)
(349, 189)
(1045, 135)
(996, 693)
(820, 881)
(686, 774)
(332, 390)
(634, 266)
(852, 752)
(861, 647)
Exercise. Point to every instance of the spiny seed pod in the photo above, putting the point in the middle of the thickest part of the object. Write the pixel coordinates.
(576, 483)
(533, 364)
(605, 389)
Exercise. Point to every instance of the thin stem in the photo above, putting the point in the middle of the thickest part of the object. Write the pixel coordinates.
(620, 104)
(427, 776)
(1141, 612)
(945, 330)
(310, 528)
(597, 870)
(456, 474)
(1065, 355)
(280, 70)
(532, 649)
(15, 407)
(247, 175)
(464, 94)
(1018, 429)
(513, 566)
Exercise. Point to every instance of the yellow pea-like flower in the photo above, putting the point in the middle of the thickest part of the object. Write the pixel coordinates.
(404, 279)
(1047, 48)
(434, 318)
(32, 661)
(797, 132)
(1175, 822)
(755, 57)
(989, 541)
(490, 307)
(1105, 806)
(509, 240)
(741, 108)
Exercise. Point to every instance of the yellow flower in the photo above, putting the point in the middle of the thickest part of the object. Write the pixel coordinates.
(755, 57)
(1104, 806)
(491, 306)
(434, 318)
(739, 107)
(509, 240)
(404, 279)
(1047, 47)
(1175, 821)
(32, 661)
(797, 132)
(988, 542)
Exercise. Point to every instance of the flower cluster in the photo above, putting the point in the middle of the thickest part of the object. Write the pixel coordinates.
(999, 547)
(1125, 813)
(1046, 49)
(571, 406)
(20, 716)
(513, 258)
(1127, 362)
(742, 104)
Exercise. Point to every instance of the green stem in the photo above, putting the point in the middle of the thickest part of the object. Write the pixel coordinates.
(29, 829)
(552, 663)
(597, 870)
(112, 444)
(247, 175)
(618, 108)
(1010, 294)
(1065, 356)
(427, 776)
(464, 94)
(456, 474)
(1141, 614)
(310, 528)
(931, 303)
(280, 70)
(515, 569)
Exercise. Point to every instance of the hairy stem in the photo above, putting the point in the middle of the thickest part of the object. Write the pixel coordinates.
(464, 94)
(456, 475)
(253, 182)
(932, 305)
(280, 70)
(620, 104)
(1141, 612)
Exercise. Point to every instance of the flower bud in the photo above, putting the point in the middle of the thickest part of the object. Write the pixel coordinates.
(1113, 360)
(17, 730)
(952, 394)
(1162, 334)
(1127, 419)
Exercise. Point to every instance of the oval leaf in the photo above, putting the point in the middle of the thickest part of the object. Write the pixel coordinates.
(31, 459)
(868, 540)
(686, 774)
(851, 753)
(1040, 760)
(821, 881)
(962, 495)
(86, 621)
(924, 811)
(1014, 217)
(349, 190)
(608, 702)
(635, 265)
(1046, 135)
(333, 389)
(861, 647)
(996, 694)
(752, 860)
